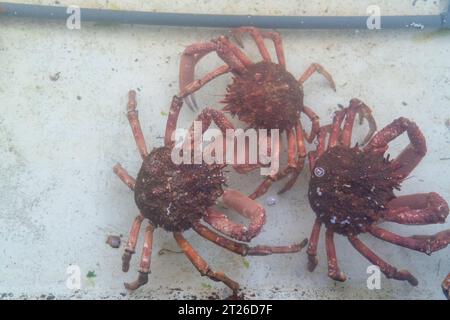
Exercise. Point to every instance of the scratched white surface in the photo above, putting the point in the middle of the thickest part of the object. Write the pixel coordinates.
(59, 140)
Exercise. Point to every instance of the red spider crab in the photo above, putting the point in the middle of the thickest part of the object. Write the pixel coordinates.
(177, 197)
(264, 95)
(351, 191)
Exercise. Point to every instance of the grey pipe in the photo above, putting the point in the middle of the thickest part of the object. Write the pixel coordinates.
(223, 21)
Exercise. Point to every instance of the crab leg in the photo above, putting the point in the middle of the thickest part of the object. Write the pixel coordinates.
(276, 38)
(124, 176)
(292, 144)
(193, 86)
(364, 112)
(346, 135)
(244, 206)
(247, 166)
(410, 157)
(193, 53)
(132, 115)
(189, 62)
(242, 58)
(315, 67)
(386, 268)
(425, 244)
(257, 37)
(336, 128)
(265, 185)
(144, 268)
(312, 247)
(301, 156)
(357, 107)
(312, 157)
(243, 165)
(132, 240)
(333, 269)
(322, 135)
(418, 209)
(201, 264)
(172, 119)
(242, 248)
(206, 117)
(315, 126)
(321, 145)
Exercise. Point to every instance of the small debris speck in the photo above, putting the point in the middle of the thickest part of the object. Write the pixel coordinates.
(113, 241)
(246, 263)
(271, 201)
(206, 285)
(55, 77)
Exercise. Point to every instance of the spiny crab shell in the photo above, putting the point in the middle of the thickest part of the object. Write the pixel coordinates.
(173, 196)
(349, 189)
(265, 96)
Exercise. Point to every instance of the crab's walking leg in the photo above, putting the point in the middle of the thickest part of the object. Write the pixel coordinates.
(242, 248)
(242, 164)
(321, 139)
(193, 86)
(417, 209)
(188, 62)
(315, 67)
(257, 37)
(267, 182)
(346, 135)
(234, 58)
(336, 128)
(124, 176)
(244, 206)
(425, 244)
(364, 112)
(276, 38)
(301, 156)
(191, 55)
(312, 247)
(130, 249)
(357, 107)
(333, 269)
(263, 187)
(242, 59)
(172, 119)
(201, 264)
(386, 268)
(132, 115)
(315, 126)
(144, 268)
(207, 116)
(321, 146)
(410, 157)
(292, 145)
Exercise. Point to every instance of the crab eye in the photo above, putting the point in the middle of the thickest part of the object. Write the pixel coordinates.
(319, 172)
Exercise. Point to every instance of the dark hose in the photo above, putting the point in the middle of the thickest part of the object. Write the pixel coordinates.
(223, 21)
